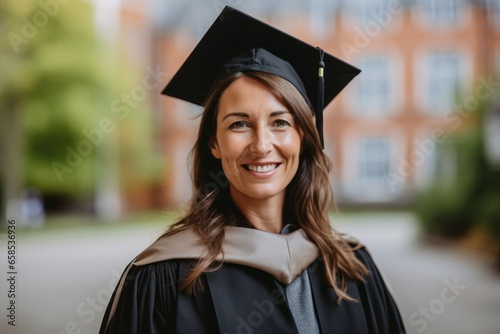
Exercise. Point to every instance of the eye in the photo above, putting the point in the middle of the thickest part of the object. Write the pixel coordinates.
(237, 125)
(281, 123)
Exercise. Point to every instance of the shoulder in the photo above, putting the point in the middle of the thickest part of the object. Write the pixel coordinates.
(374, 282)
(376, 296)
(374, 276)
(150, 285)
(162, 275)
(168, 269)
(361, 252)
(144, 298)
(157, 267)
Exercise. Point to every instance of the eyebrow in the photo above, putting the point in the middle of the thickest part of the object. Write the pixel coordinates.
(245, 115)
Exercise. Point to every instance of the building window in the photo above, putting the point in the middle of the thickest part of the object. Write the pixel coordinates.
(321, 16)
(494, 12)
(369, 9)
(441, 12)
(370, 167)
(446, 161)
(444, 75)
(496, 65)
(373, 160)
(373, 90)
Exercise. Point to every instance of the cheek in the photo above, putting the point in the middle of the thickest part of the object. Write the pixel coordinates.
(229, 152)
(293, 151)
(232, 145)
(291, 143)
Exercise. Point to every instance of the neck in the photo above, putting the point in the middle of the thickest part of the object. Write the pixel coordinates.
(265, 215)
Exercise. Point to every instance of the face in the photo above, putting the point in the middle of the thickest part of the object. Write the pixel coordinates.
(257, 141)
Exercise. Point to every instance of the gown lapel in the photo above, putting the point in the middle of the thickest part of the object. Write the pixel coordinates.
(291, 253)
(281, 257)
(248, 300)
(345, 318)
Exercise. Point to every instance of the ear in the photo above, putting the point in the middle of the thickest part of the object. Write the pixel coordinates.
(214, 147)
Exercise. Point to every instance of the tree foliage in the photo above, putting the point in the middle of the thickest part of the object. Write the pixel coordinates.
(473, 197)
(58, 83)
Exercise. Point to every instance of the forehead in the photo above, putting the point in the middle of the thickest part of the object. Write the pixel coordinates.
(247, 94)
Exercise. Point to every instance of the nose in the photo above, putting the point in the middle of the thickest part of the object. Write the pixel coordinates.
(262, 141)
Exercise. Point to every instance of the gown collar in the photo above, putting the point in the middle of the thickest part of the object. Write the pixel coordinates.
(282, 256)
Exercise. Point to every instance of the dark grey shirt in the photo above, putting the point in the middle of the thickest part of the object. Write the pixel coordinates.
(299, 298)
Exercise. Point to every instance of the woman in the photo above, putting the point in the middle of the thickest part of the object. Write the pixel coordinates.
(255, 253)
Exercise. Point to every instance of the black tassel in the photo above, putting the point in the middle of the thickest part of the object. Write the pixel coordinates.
(321, 98)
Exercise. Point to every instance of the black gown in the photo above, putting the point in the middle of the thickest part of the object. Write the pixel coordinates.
(240, 299)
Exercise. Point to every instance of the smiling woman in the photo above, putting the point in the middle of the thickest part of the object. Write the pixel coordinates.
(258, 143)
(258, 255)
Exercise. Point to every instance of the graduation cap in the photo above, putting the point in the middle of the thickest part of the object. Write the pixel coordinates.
(237, 42)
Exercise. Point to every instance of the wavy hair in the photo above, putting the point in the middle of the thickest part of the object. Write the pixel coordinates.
(309, 196)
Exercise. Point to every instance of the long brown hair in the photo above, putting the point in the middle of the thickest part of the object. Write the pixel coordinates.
(309, 195)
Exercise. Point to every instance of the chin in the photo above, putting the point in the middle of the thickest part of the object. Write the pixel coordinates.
(264, 194)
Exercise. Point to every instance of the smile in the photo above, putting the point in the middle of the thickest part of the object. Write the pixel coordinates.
(261, 169)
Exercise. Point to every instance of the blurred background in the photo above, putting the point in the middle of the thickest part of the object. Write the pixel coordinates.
(94, 161)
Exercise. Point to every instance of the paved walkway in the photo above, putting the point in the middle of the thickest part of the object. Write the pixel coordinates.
(439, 290)
(66, 278)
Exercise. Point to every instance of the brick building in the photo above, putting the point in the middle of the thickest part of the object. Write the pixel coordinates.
(425, 65)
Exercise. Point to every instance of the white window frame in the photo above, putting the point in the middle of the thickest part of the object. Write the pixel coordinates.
(493, 9)
(366, 9)
(421, 75)
(444, 73)
(433, 13)
(371, 190)
(373, 158)
(367, 100)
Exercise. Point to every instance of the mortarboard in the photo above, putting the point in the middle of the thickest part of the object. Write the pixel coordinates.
(237, 42)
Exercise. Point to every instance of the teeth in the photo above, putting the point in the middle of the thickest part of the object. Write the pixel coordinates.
(262, 169)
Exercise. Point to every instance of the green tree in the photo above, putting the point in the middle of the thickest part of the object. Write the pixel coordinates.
(56, 91)
(46, 94)
(473, 198)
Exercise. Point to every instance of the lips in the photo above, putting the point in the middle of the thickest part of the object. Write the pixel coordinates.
(261, 168)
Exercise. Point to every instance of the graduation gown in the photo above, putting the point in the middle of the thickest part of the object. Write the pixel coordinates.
(239, 297)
